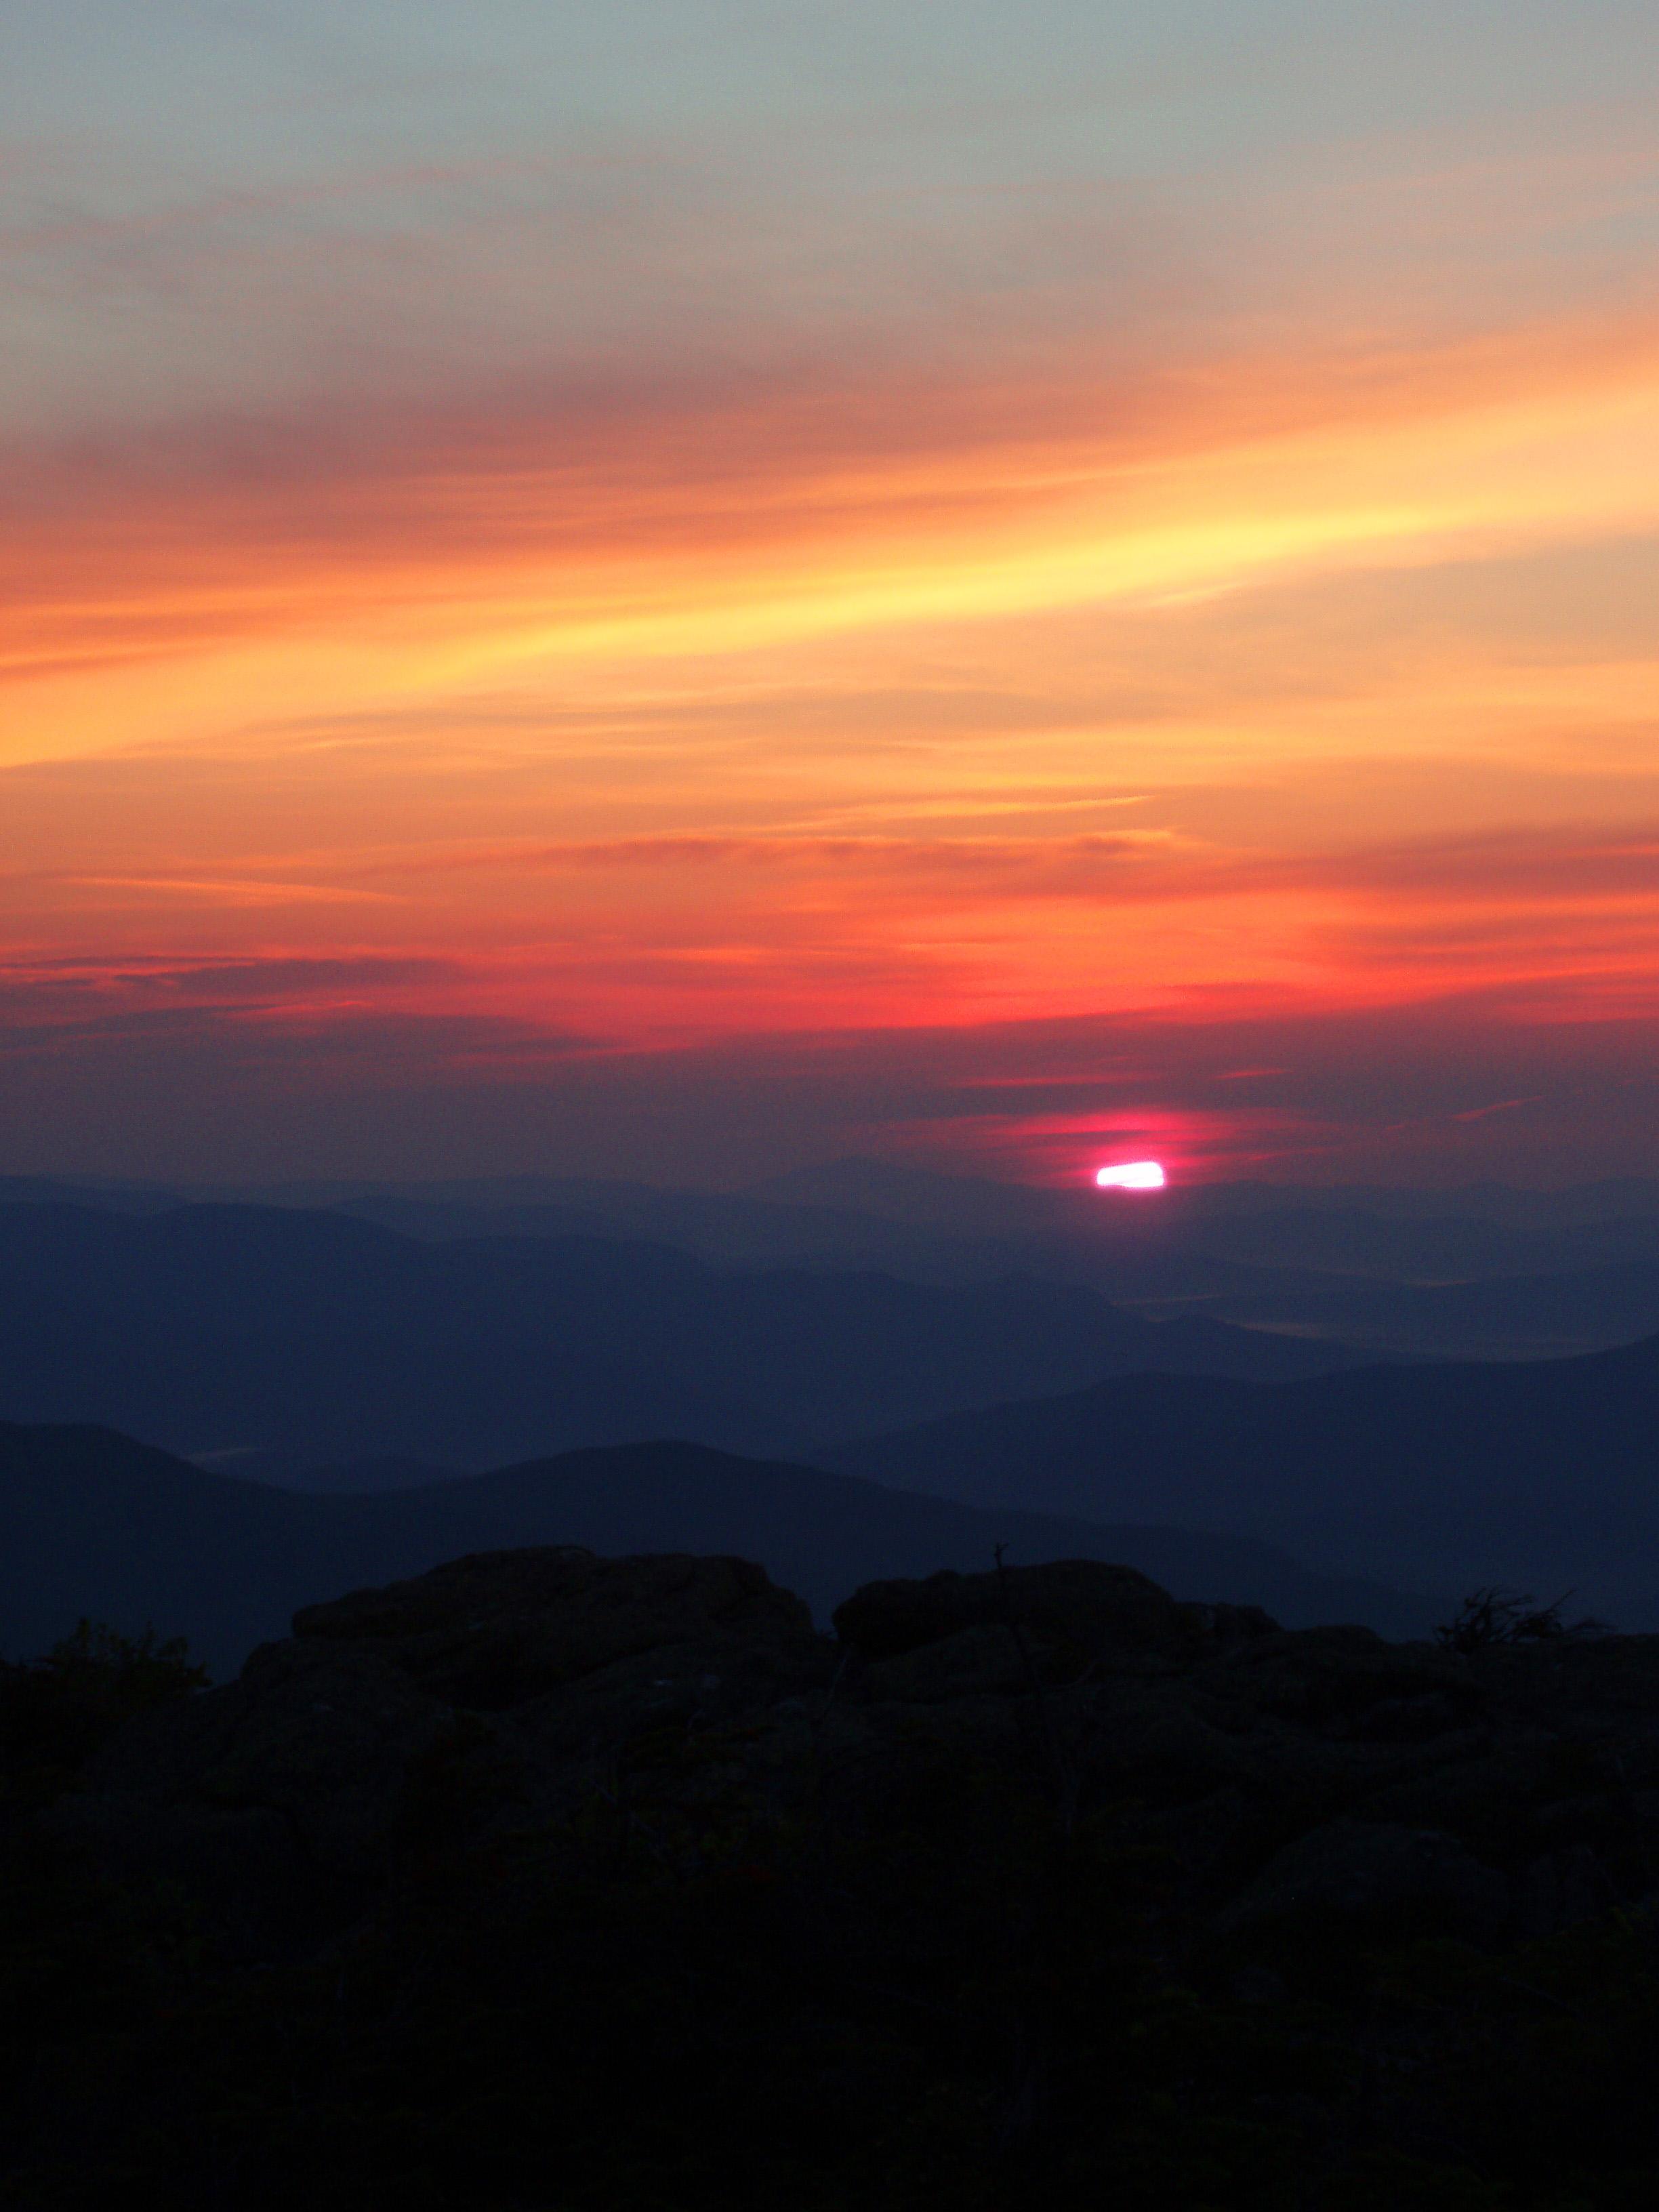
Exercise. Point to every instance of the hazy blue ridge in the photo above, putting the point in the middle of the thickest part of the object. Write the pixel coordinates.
(312, 1337)
(1543, 1473)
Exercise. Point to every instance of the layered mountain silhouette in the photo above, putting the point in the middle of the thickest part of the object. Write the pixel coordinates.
(1544, 1473)
(302, 1338)
(92, 1524)
(1482, 1271)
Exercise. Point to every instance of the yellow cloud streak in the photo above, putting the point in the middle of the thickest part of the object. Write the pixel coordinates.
(1068, 528)
(1578, 466)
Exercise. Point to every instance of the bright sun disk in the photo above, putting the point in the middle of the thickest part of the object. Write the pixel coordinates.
(1133, 1175)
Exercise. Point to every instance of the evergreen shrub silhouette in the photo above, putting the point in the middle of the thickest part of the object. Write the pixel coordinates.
(55, 1711)
(1496, 1616)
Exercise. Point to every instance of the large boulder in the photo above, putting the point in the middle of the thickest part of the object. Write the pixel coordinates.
(1076, 1610)
(498, 1687)
(492, 1630)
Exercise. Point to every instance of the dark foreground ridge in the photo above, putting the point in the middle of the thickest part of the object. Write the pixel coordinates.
(551, 1880)
(94, 1522)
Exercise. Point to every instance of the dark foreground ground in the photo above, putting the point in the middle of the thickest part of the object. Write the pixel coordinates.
(550, 1881)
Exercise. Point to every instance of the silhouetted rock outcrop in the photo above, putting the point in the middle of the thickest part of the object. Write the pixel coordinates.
(514, 1679)
(1091, 1609)
(1026, 1875)
(530, 1677)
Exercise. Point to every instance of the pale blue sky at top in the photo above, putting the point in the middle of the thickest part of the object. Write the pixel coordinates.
(201, 193)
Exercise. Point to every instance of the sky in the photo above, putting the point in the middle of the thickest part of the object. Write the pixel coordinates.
(681, 588)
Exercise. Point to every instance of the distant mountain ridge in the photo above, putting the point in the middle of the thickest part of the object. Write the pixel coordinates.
(1545, 1473)
(1477, 1272)
(95, 1525)
(315, 1337)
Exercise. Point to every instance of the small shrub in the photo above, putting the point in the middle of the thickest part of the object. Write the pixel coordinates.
(55, 1711)
(1496, 1615)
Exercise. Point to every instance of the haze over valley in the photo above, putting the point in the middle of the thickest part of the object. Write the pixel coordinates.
(947, 1340)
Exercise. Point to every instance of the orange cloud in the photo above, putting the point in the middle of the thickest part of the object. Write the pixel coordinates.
(415, 549)
(707, 712)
